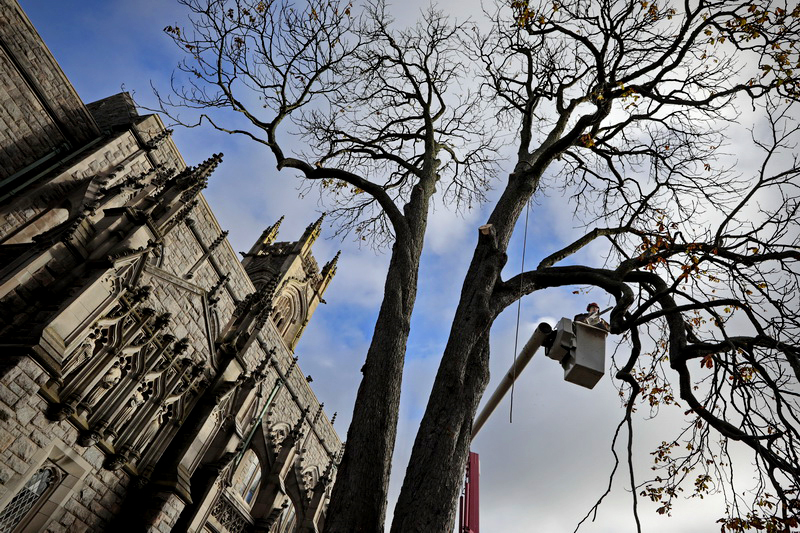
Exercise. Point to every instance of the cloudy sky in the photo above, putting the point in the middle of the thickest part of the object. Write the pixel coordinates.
(540, 473)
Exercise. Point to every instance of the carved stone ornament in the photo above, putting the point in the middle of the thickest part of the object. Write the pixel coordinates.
(61, 411)
(229, 516)
(108, 381)
(89, 437)
(115, 462)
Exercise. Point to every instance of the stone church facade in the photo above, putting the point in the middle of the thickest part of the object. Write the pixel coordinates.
(148, 378)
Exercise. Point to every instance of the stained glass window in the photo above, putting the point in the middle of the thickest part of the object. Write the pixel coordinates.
(248, 477)
(28, 496)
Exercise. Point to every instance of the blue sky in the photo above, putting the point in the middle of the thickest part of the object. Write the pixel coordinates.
(544, 471)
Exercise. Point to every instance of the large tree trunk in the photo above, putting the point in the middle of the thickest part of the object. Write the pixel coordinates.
(432, 485)
(358, 501)
(427, 501)
(436, 469)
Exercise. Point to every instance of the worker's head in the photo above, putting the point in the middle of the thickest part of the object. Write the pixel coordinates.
(592, 307)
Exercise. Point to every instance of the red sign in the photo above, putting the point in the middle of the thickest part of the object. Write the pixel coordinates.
(469, 506)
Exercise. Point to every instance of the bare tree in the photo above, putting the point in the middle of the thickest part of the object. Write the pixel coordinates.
(623, 104)
(384, 127)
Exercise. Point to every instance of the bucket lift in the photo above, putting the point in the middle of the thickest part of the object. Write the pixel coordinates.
(580, 347)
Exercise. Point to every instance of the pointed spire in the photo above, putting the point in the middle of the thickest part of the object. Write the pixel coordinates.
(271, 233)
(330, 267)
(316, 225)
(197, 177)
(266, 239)
(180, 189)
(327, 274)
(311, 233)
(277, 224)
(208, 166)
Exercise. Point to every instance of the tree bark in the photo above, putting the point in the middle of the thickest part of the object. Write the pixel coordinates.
(431, 487)
(358, 500)
(427, 500)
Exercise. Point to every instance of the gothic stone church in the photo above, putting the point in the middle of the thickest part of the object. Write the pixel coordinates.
(148, 378)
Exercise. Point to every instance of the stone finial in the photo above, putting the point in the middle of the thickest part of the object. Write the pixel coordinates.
(340, 453)
(266, 239)
(180, 346)
(317, 225)
(291, 368)
(243, 305)
(219, 239)
(269, 291)
(327, 476)
(311, 233)
(141, 294)
(296, 431)
(269, 235)
(212, 296)
(330, 267)
(208, 166)
(162, 321)
(158, 139)
(194, 179)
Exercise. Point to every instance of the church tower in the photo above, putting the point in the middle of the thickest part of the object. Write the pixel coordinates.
(300, 282)
(135, 357)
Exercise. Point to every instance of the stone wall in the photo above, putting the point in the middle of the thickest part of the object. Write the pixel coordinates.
(28, 440)
(41, 111)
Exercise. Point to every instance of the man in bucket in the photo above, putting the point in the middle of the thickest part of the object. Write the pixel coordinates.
(592, 317)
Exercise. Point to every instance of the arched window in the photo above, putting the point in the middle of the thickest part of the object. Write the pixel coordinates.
(248, 477)
(283, 314)
(287, 521)
(32, 493)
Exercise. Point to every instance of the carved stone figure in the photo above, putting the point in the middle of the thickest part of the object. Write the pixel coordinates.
(80, 355)
(110, 379)
(133, 403)
(156, 421)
